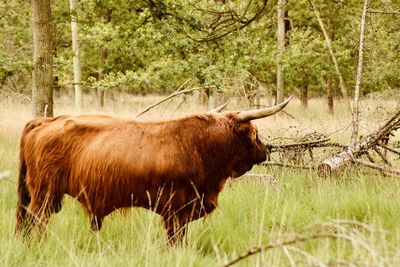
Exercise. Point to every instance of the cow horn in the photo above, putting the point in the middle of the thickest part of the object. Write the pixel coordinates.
(218, 109)
(261, 113)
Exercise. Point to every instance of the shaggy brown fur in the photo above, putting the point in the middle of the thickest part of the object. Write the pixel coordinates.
(175, 168)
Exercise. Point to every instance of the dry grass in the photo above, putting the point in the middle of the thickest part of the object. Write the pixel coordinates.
(16, 112)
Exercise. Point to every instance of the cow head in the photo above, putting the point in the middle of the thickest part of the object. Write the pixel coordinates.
(251, 149)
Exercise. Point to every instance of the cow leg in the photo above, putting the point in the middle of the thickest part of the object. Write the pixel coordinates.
(40, 210)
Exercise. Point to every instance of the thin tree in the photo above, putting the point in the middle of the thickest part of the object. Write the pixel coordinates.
(103, 53)
(76, 57)
(329, 45)
(280, 80)
(42, 88)
(355, 109)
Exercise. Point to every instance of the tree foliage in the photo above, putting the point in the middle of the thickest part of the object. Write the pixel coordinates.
(153, 46)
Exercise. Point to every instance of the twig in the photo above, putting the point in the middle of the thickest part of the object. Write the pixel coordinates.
(231, 23)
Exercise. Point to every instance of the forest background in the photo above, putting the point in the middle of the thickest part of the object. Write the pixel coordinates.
(153, 47)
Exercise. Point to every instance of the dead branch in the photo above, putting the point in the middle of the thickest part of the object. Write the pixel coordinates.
(171, 96)
(369, 157)
(295, 240)
(346, 230)
(355, 110)
(390, 171)
(381, 155)
(370, 141)
(287, 165)
(389, 12)
(300, 144)
(390, 149)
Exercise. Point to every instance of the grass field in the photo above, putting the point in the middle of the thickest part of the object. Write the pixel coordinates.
(359, 211)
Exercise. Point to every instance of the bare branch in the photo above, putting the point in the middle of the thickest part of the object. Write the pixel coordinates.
(389, 12)
(382, 155)
(390, 149)
(286, 165)
(298, 239)
(392, 172)
(232, 21)
(171, 96)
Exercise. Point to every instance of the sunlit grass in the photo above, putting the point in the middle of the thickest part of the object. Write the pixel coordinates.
(251, 212)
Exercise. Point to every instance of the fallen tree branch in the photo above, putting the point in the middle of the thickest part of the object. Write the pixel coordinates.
(392, 172)
(306, 144)
(390, 149)
(337, 161)
(381, 155)
(298, 239)
(300, 144)
(347, 230)
(279, 164)
(390, 12)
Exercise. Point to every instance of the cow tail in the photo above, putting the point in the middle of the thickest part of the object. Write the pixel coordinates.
(24, 197)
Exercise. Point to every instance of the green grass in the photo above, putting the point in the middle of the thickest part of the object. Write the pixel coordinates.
(251, 213)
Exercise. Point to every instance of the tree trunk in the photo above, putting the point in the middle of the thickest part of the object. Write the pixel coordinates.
(355, 109)
(76, 57)
(329, 92)
(280, 80)
(103, 53)
(42, 89)
(304, 95)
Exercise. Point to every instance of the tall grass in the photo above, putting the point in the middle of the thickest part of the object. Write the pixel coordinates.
(251, 212)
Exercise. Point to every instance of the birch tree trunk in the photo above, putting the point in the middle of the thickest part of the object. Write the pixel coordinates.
(42, 89)
(76, 57)
(280, 80)
(355, 109)
(356, 148)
